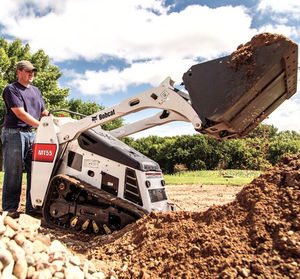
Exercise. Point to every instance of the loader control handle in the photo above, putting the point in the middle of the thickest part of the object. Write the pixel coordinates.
(68, 111)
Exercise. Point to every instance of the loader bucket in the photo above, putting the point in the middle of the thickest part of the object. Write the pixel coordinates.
(233, 94)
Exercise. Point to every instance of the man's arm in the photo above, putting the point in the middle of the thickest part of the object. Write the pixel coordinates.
(26, 117)
(45, 113)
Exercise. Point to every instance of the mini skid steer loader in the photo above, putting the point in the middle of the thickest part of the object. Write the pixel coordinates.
(85, 179)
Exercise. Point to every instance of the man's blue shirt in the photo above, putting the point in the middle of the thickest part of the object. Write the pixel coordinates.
(16, 95)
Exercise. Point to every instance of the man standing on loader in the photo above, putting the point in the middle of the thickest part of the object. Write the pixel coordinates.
(24, 106)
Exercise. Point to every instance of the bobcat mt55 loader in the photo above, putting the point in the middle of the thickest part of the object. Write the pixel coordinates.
(86, 179)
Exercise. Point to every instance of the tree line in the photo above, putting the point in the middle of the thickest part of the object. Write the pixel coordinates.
(260, 150)
(263, 148)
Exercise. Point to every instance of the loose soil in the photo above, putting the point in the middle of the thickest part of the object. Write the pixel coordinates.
(244, 55)
(255, 235)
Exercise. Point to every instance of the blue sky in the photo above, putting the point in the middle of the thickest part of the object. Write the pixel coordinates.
(110, 50)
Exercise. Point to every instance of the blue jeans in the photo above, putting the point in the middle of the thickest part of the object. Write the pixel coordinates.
(17, 151)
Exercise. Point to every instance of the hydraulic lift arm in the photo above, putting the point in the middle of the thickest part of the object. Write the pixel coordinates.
(147, 123)
(163, 97)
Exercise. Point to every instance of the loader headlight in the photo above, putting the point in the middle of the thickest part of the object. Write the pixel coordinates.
(157, 195)
(148, 184)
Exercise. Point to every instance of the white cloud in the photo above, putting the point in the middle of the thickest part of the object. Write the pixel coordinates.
(90, 29)
(134, 30)
(291, 8)
(152, 72)
(282, 17)
(288, 31)
(92, 82)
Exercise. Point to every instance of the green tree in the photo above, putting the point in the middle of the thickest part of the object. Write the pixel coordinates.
(4, 66)
(194, 152)
(203, 152)
(157, 148)
(197, 151)
(263, 131)
(284, 143)
(247, 153)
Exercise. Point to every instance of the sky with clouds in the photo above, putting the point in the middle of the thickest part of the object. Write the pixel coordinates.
(110, 50)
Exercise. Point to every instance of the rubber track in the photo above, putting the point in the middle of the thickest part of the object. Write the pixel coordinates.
(118, 203)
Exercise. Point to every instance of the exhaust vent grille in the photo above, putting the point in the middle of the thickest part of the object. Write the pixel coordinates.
(132, 192)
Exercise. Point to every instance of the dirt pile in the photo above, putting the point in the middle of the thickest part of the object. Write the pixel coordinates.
(256, 235)
(245, 53)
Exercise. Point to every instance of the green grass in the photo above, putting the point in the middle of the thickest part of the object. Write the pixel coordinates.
(218, 177)
(221, 177)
